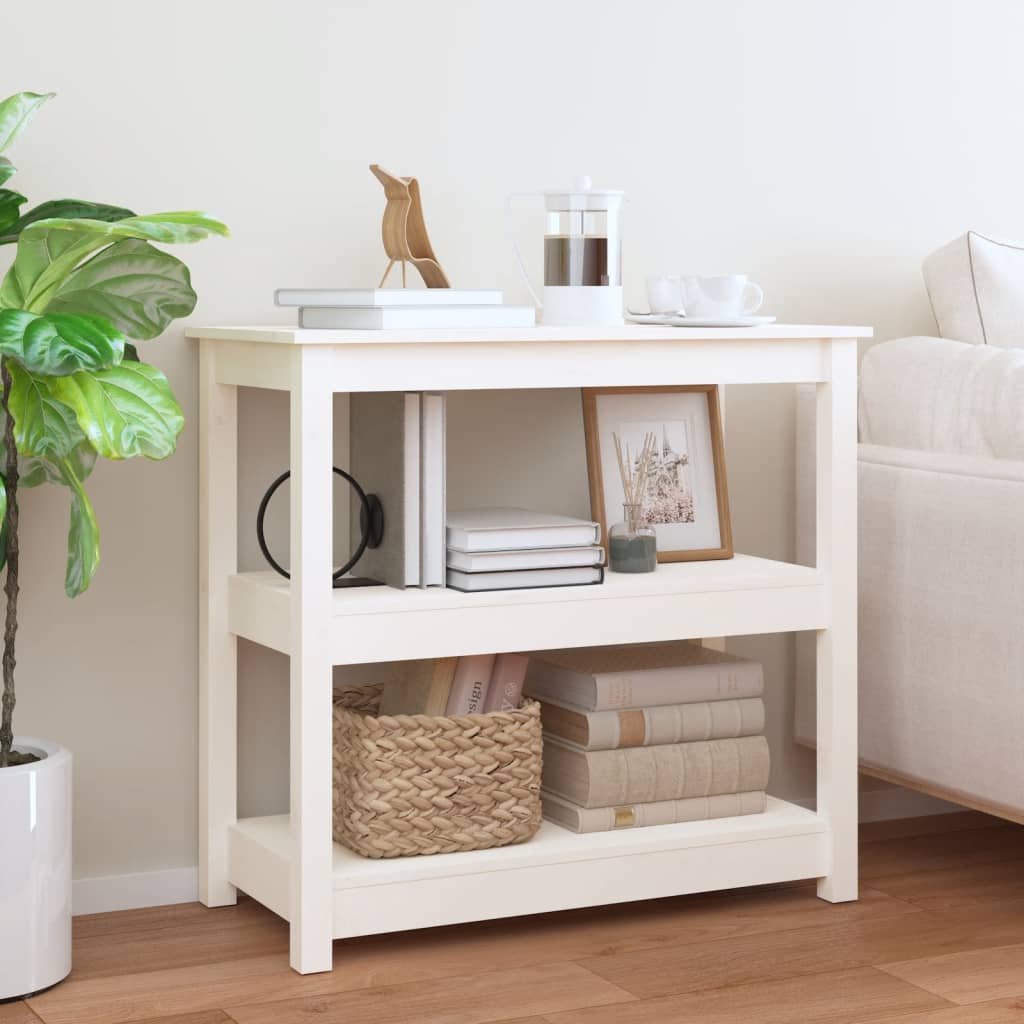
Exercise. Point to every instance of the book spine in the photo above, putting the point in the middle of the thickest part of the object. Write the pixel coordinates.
(673, 771)
(469, 687)
(666, 812)
(505, 690)
(423, 689)
(678, 685)
(648, 727)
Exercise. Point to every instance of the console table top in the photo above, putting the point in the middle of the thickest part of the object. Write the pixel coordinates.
(288, 335)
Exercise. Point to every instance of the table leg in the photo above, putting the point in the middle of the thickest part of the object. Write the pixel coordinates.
(836, 540)
(310, 679)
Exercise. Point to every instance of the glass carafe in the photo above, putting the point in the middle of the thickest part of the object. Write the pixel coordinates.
(582, 257)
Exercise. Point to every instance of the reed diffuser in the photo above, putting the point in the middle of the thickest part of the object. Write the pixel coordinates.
(632, 544)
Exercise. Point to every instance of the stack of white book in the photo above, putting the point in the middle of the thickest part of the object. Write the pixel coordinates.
(378, 309)
(516, 549)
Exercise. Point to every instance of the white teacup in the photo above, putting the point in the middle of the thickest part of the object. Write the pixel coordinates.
(722, 295)
(665, 293)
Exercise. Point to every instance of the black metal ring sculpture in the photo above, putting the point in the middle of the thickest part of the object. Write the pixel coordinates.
(371, 525)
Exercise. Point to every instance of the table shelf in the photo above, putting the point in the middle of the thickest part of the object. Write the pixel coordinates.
(681, 600)
(556, 870)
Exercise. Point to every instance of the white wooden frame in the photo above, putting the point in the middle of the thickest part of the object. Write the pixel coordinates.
(288, 861)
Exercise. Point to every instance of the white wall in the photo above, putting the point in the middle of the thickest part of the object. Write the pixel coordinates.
(824, 147)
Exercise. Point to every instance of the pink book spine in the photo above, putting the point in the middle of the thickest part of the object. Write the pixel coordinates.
(506, 688)
(469, 687)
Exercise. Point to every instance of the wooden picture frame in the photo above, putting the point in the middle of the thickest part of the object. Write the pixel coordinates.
(599, 500)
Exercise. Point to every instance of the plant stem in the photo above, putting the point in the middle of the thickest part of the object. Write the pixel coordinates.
(11, 584)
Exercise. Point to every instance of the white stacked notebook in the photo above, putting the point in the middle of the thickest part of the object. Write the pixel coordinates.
(517, 549)
(377, 309)
(347, 297)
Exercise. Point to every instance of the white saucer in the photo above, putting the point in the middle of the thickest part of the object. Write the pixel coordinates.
(699, 321)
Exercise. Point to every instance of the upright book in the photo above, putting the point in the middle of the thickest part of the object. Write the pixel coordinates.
(638, 675)
(517, 529)
(432, 490)
(647, 727)
(423, 689)
(505, 690)
(469, 687)
(384, 439)
(344, 297)
(672, 771)
(660, 812)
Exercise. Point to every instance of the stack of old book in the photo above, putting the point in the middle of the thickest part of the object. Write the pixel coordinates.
(649, 734)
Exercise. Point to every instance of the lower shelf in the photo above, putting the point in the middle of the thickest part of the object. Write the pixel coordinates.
(556, 870)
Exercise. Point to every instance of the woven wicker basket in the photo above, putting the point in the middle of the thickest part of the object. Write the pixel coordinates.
(419, 784)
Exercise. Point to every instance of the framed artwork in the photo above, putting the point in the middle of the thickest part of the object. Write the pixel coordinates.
(686, 499)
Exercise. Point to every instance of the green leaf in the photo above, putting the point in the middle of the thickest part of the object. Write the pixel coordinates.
(49, 250)
(56, 344)
(138, 288)
(6, 169)
(13, 324)
(125, 411)
(131, 353)
(15, 113)
(66, 209)
(43, 425)
(83, 536)
(37, 471)
(10, 203)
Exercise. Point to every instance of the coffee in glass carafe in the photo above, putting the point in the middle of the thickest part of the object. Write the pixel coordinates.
(582, 257)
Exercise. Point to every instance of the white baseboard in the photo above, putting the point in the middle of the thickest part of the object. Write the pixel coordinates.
(128, 892)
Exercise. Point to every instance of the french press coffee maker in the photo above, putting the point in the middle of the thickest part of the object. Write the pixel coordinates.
(582, 257)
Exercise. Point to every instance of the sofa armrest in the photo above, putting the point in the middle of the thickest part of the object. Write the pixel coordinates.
(941, 586)
(934, 395)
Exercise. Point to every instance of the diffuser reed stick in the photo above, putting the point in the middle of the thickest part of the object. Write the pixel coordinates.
(634, 472)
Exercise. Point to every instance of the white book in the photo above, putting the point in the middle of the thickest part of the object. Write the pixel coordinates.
(432, 490)
(524, 579)
(518, 529)
(388, 297)
(535, 558)
(384, 434)
(412, 489)
(383, 318)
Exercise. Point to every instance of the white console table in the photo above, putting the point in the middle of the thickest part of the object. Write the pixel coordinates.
(289, 862)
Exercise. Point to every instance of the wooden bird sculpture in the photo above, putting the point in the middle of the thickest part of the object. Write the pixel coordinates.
(404, 230)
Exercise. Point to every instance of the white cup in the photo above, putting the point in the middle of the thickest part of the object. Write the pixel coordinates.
(722, 295)
(664, 293)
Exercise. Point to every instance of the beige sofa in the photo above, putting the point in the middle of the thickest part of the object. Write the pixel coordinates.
(941, 510)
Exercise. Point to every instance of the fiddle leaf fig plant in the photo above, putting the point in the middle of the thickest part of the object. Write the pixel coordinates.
(85, 283)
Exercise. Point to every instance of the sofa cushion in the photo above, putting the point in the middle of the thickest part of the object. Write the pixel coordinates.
(976, 287)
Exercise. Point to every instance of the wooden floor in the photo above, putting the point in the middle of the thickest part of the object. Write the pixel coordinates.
(937, 938)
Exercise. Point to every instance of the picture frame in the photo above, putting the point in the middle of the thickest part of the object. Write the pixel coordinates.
(689, 493)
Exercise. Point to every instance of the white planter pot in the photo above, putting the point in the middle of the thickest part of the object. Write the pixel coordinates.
(35, 870)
